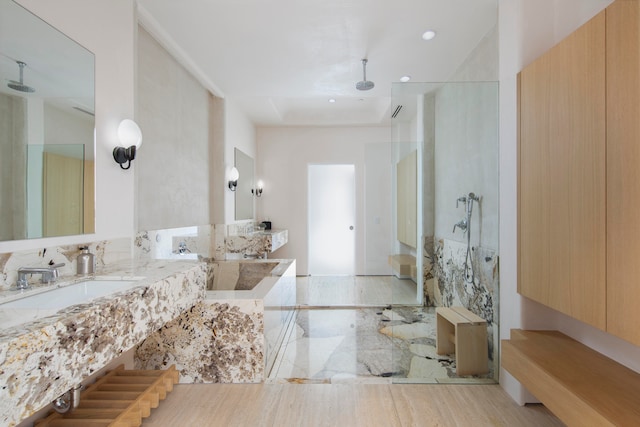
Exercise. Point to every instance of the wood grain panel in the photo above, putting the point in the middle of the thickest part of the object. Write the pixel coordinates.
(581, 386)
(407, 205)
(623, 170)
(562, 176)
(62, 195)
(345, 405)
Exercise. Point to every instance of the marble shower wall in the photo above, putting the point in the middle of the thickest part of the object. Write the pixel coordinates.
(428, 279)
(452, 288)
(213, 342)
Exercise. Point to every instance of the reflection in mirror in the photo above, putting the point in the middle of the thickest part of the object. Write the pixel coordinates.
(46, 129)
(244, 197)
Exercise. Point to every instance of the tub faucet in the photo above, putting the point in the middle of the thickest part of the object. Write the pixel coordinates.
(49, 275)
(262, 255)
(182, 249)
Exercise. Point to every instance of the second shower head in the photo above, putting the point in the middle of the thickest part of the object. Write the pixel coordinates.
(364, 84)
(19, 85)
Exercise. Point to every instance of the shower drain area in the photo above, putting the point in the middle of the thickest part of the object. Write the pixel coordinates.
(393, 344)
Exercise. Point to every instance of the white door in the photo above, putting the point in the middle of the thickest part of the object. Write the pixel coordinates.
(332, 215)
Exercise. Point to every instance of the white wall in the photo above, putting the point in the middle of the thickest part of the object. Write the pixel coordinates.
(379, 208)
(108, 30)
(466, 160)
(283, 156)
(528, 28)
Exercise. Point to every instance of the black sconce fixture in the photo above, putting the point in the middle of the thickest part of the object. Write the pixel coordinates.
(258, 190)
(130, 137)
(233, 179)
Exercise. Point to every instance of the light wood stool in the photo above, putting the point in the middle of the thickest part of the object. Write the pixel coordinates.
(461, 331)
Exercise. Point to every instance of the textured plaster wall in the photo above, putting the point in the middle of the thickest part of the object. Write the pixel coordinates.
(173, 162)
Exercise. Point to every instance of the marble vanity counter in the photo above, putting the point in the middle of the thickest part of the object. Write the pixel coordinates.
(256, 243)
(42, 359)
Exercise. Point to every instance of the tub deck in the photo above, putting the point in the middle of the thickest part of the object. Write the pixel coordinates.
(233, 336)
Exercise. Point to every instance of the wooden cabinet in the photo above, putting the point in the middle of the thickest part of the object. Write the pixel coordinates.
(562, 184)
(407, 205)
(623, 170)
(579, 172)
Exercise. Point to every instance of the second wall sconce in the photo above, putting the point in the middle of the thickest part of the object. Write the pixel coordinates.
(130, 137)
(258, 190)
(233, 178)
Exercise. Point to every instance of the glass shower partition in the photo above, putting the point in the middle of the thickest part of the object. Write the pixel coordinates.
(451, 130)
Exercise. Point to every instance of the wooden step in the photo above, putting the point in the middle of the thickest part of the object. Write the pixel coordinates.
(121, 398)
(402, 265)
(579, 385)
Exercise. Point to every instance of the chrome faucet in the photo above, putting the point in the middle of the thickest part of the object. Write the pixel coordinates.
(182, 249)
(462, 199)
(49, 275)
(462, 225)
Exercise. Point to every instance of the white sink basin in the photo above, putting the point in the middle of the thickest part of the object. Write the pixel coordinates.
(45, 304)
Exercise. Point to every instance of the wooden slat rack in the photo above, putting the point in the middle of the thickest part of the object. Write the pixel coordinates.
(121, 398)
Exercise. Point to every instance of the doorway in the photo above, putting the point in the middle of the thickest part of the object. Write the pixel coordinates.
(331, 220)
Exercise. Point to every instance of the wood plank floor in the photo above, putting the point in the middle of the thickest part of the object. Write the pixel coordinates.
(303, 405)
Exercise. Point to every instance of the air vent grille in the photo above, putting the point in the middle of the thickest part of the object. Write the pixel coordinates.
(396, 112)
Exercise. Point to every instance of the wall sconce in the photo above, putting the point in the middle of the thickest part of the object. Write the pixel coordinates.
(258, 191)
(130, 137)
(233, 178)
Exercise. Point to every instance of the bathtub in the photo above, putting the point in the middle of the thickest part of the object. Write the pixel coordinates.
(273, 281)
(234, 335)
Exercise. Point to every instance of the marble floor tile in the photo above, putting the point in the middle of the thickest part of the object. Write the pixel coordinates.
(354, 291)
(365, 345)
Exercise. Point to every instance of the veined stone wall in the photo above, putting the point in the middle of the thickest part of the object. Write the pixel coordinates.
(455, 285)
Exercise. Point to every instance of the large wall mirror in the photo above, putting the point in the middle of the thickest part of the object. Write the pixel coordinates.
(244, 194)
(46, 129)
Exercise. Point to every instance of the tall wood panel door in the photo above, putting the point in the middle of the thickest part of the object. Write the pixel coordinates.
(562, 213)
(62, 195)
(623, 170)
(407, 205)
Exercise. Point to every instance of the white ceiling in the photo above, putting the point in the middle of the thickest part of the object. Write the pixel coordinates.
(281, 60)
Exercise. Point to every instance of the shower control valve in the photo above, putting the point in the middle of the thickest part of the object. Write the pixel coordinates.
(462, 225)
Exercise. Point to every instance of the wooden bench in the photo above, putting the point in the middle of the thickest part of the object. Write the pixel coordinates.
(459, 330)
(579, 385)
(402, 265)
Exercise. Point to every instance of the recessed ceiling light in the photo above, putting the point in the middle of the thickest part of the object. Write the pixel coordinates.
(428, 35)
(332, 100)
(405, 79)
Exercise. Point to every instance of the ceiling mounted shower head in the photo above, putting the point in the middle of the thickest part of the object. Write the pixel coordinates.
(20, 86)
(364, 84)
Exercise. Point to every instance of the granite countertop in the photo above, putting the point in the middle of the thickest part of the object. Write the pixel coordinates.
(41, 359)
(144, 273)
